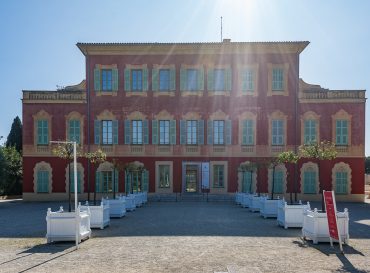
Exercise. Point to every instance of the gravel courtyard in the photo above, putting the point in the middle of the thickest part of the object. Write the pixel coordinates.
(178, 237)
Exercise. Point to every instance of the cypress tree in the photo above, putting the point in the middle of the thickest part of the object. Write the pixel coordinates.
(15, 135)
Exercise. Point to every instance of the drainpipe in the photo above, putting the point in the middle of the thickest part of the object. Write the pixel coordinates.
(296, 126)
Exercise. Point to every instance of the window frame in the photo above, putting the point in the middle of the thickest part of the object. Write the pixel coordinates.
(217, 168)
(275, 138)
(105, 135)
(138, 75)
(161, 170)
(220, 134)
(72, 130)
(164, 131)
(138, 133)
(106, 82)
(192, 134)
(341, 135)
(44, 132)
(277, 84)
(167, 81)
(192, 80)
(217, 79)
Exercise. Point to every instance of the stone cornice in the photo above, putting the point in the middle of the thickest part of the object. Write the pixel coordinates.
(191, 48)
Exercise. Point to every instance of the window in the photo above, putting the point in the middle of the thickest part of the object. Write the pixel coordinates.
(309, 131)
(137, 80)
(106, 75)
(219, 79)
(218, 176)
(74, 130)
(164, 80)
(277, 79)
(248, 80)
(164, 132)
(107, 133)
(42, 182)
(248, 134)
(341, 182)
(106, 182)
(341, 132)
(247, 182)
(192, 79)
(164, 176)
(277, 132)
(137, 132)
(42, 132)
(309, 182)
(218, 131)
(278, 181)
(191, 132)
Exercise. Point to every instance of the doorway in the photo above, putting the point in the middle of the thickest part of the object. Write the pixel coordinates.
(191, 178)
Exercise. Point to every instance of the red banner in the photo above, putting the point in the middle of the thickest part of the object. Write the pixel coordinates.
(331, 214)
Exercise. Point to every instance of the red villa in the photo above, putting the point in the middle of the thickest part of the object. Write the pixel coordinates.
(192, 113)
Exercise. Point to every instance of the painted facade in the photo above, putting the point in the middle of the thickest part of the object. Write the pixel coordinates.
(192, 113)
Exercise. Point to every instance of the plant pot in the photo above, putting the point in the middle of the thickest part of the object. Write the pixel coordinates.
(255, 203)
(238, 197)
(117, 207)
(145, 197)
(129, 202)
(291, 215)
(246, 199)
(61, 226)
(315, 226)
(138, 200)
(99, 215)
(269, 207)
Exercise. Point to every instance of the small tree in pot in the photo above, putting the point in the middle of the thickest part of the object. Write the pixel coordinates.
(324, 150)
(95, 159)
(249, 167)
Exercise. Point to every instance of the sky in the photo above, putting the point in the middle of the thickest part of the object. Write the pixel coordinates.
(38, 38)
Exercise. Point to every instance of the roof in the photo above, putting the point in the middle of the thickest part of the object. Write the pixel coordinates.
(192, 47)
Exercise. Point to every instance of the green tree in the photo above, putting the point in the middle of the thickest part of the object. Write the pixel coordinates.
(324, 150)
(15, 135)
(10, 171)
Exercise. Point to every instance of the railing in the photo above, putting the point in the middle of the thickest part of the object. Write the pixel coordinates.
(192, 149)
(164, 149)
(342, 149)
(219, 149)
(137, 149)
(277, 149)
(43, 149)
(107, 148)
(333, 94)
(54, 95)
(247, 149)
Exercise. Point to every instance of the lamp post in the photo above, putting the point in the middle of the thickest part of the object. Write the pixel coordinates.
(75, 179)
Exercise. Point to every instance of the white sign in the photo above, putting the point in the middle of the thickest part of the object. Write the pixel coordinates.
(205, 175)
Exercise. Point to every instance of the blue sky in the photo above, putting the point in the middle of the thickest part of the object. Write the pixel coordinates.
(38, 52)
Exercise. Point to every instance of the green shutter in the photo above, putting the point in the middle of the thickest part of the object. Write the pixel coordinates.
(244, 132)
(39, 132)
(210, 132)
(40, 181)
(201, 79)
(228, 131)
(173, 132)
(155, 82)
(183, 79)
(228, 79)
(46, 181)
(154, 131)
(145, 186)
(45, 132)
(97, 79)
(145, 79)
(115, 79)
(127, 73)
(97, 132)
(115, 131)
(182, 132)
(127, 131)
(146, 131)
(344, 132)
(173, 79)
(200, 132)
(97, 181)
(210, 80)
(306, 182)
(278, 187)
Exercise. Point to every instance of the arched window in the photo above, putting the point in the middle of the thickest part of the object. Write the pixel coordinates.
(309, 178)
(341, 177)
(279, 179)
(42, 178)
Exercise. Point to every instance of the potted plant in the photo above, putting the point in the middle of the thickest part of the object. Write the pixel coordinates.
(95, 158)
(130, 168)
(99, 215)
(246, 168)
(117, 206)
(254, 200)
(61, 226)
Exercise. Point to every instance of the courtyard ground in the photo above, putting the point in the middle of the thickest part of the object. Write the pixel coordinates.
(179, 237)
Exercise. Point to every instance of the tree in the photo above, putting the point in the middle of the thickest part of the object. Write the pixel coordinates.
(65, 151)
(324, 150)
(95, 158)
(286, 158)
(10, 171)
(15, 135)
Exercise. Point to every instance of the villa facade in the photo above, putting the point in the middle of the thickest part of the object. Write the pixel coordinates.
(192, 113)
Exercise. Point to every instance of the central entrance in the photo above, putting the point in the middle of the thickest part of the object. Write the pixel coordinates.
(191, 178)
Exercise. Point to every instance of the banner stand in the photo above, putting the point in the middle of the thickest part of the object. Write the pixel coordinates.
(331, 215)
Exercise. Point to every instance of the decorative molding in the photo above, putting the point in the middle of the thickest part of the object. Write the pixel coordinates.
(41, 115)
(192, 116)
(105, 66)
(218, 115)
(136, 115)
(164, 115)
(106, 115)
(136, 66)
(105, 167)
(77, 116)
(342, 167)
(309, 166)
(42, 166)
(341, 115)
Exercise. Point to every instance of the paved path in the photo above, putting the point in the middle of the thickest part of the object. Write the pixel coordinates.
(178, 237)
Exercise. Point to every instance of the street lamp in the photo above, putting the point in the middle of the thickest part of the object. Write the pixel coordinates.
(74, 177)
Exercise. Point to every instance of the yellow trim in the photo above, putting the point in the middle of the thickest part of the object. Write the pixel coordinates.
(106, 115)
(218, 115)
